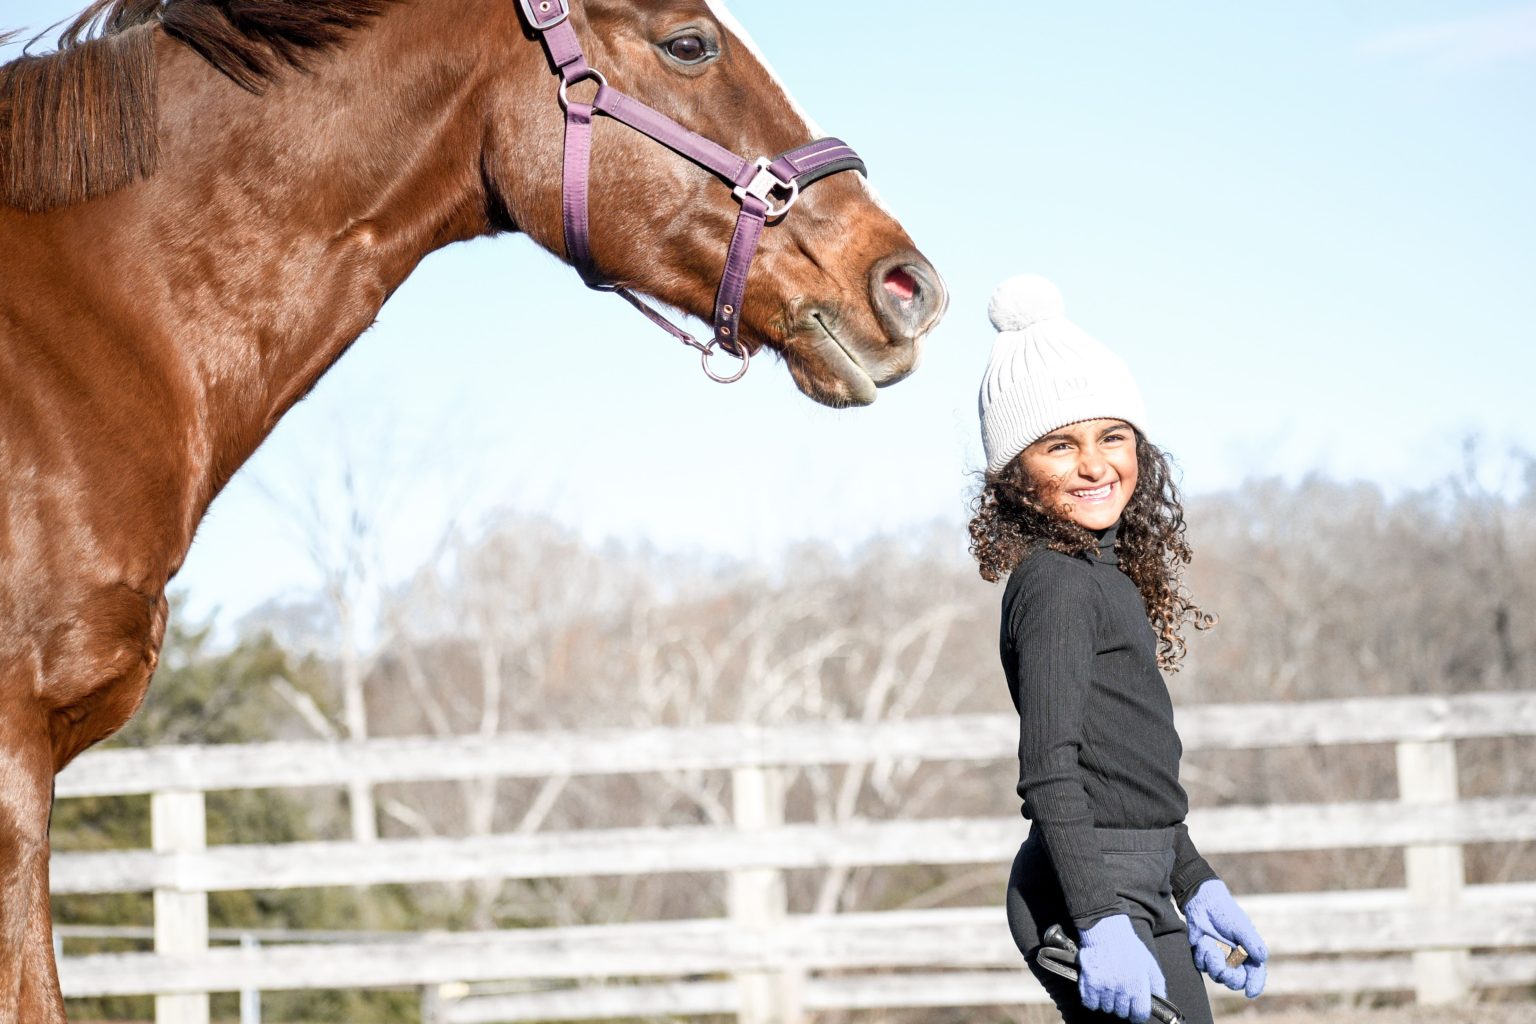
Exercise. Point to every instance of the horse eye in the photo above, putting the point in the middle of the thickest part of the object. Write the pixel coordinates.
(687, 49)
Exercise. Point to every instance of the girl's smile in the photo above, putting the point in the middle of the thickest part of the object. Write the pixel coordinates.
(1096, 495)
(1089, 468)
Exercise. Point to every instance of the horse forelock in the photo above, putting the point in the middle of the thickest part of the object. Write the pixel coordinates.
(81, 122)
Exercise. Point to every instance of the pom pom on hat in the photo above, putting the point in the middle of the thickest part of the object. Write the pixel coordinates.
(1046, 373)
(1023, 300)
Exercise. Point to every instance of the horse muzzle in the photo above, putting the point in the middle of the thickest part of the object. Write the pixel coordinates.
(840, 356)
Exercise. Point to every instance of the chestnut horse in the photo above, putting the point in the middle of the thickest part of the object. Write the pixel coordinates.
(204, 202)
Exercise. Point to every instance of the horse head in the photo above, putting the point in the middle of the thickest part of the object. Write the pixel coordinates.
(838, 289)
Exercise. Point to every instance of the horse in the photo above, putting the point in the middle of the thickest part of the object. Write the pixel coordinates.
(203, 203)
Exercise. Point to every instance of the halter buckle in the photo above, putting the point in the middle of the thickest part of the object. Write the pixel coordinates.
(544, 15)
(764, 184)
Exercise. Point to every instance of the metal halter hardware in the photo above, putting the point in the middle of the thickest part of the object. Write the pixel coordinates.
(767, 187)
(764, 184)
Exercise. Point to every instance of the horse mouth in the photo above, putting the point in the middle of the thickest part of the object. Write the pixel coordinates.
(826, 371)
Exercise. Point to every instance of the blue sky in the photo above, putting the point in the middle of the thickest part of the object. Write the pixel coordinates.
(1306, 226)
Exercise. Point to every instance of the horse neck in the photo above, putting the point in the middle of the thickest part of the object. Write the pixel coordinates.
(279, 224)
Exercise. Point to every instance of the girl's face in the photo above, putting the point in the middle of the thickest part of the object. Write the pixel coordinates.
(1086, 469)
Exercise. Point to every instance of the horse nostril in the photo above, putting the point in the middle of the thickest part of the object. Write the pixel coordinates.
(907, 294)
(902, 286)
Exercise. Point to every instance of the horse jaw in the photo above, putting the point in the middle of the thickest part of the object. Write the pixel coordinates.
(825, 370)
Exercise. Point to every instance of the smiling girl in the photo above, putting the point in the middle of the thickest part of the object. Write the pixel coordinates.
(1080, 512)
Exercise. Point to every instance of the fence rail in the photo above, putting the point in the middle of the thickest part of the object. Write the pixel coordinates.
(650, 851)
(947, 957)
(741, 745)
(969, 937)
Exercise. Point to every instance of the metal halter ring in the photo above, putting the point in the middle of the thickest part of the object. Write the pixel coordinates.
(596, 76)
(764, 184)
(709, 349)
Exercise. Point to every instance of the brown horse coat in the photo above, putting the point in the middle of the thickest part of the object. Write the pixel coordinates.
(192, 230)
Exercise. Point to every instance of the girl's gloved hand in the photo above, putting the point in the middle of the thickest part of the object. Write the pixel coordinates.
(1117, 973)
(1213, 916)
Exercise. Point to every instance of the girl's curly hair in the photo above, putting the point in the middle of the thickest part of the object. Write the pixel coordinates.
(1010, 515)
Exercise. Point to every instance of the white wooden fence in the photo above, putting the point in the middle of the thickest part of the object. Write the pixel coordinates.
(783, 966)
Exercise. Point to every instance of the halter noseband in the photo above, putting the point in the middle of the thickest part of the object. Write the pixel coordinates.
(766, 187)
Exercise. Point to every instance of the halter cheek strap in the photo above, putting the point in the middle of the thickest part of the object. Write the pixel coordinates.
(767, 188)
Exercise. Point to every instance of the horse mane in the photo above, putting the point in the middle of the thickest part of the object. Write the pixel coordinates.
(81, 122)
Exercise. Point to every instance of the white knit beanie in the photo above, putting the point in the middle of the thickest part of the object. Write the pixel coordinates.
(1046, 372)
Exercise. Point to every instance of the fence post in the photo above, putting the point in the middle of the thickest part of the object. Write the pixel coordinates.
(757, 899)
(178, 824)
(250, 998)
(1426, 773)
(431, 1005)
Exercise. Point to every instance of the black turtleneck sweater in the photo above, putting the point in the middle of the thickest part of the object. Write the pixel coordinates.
(1097, 746)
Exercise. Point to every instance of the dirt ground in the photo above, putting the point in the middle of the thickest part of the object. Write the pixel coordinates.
(1296, 1011)
(1483, 1013)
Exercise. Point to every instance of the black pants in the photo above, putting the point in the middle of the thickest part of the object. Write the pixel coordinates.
(1140, 866)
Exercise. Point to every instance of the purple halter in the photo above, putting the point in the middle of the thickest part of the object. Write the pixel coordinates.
(766, 187)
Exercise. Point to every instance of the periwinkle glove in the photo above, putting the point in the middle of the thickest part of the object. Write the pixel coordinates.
(1116, 972)
(1213, 916)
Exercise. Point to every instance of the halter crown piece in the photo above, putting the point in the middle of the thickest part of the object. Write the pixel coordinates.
(766, 187)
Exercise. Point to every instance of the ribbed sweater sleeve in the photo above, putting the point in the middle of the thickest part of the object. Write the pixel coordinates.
(1053, 626)
(1189, 868)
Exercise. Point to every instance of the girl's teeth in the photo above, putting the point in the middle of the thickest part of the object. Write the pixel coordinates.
(1097, 492)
